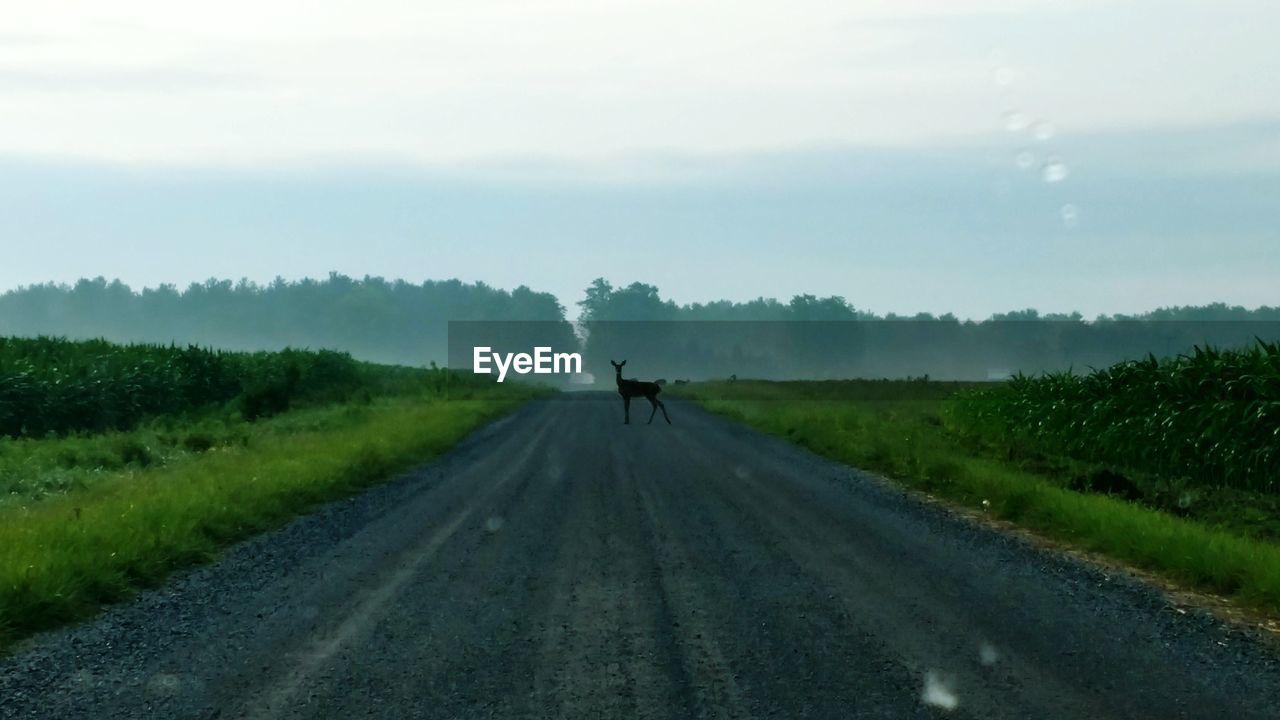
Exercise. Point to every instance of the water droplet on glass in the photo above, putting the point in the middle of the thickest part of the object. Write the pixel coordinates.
(1015, 121)
(1024, 160)
(987, 654)
(1054, 170)
(164, 684)
(1002, 76)
(1042, 131)
(938, 692)
(1070, 215)
(493, 524)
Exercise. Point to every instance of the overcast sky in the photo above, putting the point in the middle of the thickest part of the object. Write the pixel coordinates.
(941, 155)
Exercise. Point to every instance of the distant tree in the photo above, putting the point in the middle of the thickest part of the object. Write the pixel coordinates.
(1017, 315)
(809, 307)
(637, 301)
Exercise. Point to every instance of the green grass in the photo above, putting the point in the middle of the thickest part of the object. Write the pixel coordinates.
(32, 469)
(897, 429)
(65, 551)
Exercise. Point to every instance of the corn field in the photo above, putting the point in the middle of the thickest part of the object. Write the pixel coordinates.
(55, 386)
(1210, 418)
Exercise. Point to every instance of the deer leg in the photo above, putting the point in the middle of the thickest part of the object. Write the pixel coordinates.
(626, 410)
(654, 402)
(664, 410)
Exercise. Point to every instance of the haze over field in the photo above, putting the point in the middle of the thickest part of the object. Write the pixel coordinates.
(968, 157)
(442, 321)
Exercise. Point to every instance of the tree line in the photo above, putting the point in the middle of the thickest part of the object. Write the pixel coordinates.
(395, 321)
(388, 321)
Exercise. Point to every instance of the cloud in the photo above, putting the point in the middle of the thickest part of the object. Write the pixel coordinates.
(948, 228)
(23, 39)
(577, 79)
(164, 79)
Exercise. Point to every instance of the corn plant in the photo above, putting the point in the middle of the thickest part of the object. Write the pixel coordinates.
(56, 386)
(1211, 417)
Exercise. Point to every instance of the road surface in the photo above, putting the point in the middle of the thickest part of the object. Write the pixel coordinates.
(558, 564)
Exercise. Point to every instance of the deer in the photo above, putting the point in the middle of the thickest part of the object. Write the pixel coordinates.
(636, 388)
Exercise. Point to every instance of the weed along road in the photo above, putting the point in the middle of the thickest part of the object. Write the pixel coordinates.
(559, 564)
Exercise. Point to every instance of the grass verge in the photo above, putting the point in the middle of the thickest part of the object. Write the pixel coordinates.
(62, 556)
(896, 429)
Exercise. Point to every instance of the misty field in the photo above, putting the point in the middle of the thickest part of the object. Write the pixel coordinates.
(962, 441)
(208, 448)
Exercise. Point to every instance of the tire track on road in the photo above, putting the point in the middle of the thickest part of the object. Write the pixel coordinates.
(365, 611)
(606, 651)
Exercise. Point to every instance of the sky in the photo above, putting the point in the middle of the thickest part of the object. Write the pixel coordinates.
(967, 156)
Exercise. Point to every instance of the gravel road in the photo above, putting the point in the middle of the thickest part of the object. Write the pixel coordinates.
(558, 564)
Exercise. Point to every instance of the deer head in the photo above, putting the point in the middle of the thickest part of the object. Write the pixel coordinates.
(618, 366)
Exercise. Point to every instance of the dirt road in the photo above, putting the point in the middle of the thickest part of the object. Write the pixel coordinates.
(561, 565)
